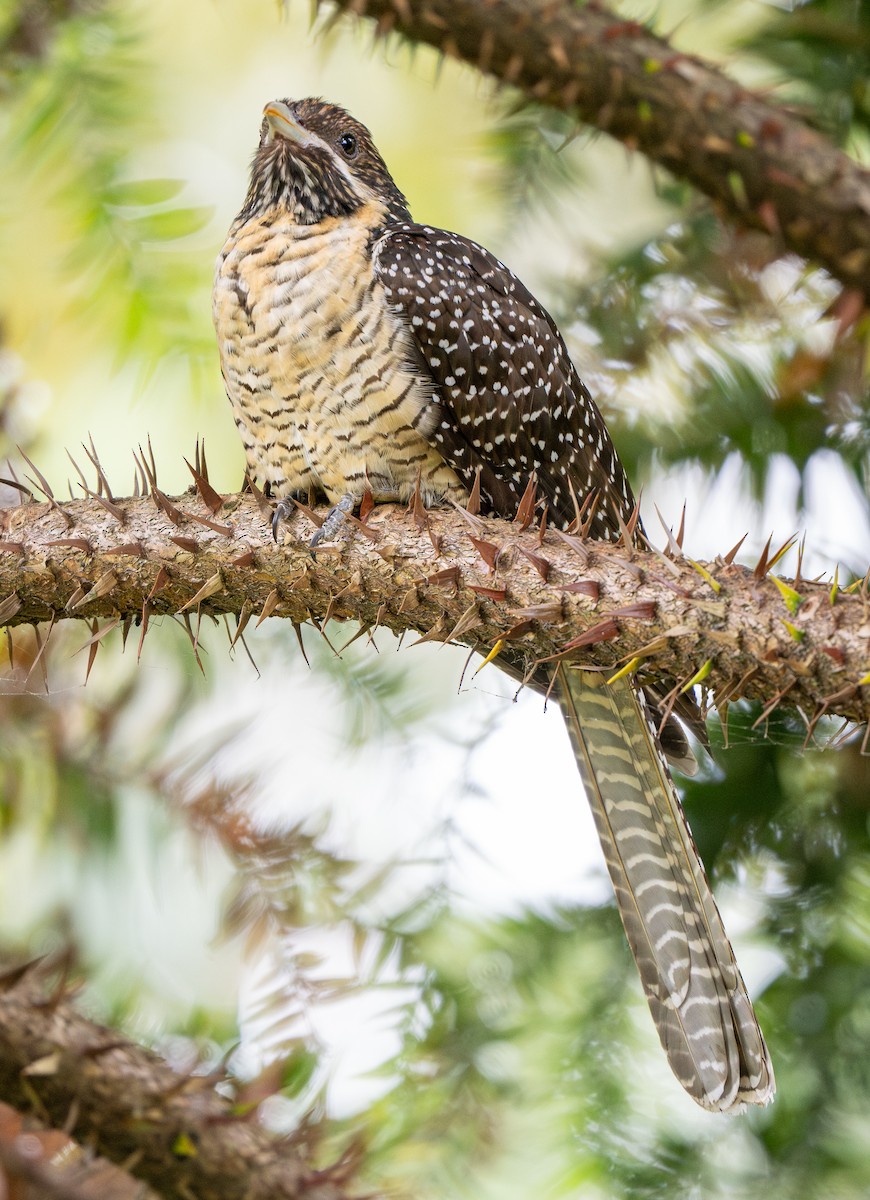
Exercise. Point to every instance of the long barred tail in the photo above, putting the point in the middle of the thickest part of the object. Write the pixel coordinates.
(698, 1000)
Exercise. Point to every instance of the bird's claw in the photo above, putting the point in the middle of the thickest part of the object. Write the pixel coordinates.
(333, 522)
(283, 509)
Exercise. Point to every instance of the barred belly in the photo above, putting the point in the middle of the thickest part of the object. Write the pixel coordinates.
(318, 368)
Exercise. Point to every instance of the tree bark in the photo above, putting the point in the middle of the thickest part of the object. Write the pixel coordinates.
(763, 167)
(447, 576)
(176, 1133)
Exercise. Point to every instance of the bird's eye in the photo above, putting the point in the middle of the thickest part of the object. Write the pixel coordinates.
(348, 145)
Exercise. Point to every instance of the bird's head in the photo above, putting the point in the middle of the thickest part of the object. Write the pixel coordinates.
(316, 161)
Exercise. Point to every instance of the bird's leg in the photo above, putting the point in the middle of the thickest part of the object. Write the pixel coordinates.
(335, 518)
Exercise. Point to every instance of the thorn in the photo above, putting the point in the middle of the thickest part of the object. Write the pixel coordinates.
(450, 575)
(475, 522)
(78, 471)
(584, 587)
(700, 675)
(97, 635)
(160, 582)
(244, 560)
(410, 600)
(210, 498)
(105, 584)
(165, 505)
(201, 464)
(241, 621)
(94, 647)
(102, 481)
(262, 503)
(75, 543)
(43, 485)
(548, 612)
(470, 619)
(640, 610)
(773, 704)
(134, 549)
(491, 593)
(297, 629)
(374, 535)
(729, 557)
(604, 631)
(146, 616)
(628, 530)
(224, 530)
(435, 538)
(8, 608)
(682, 532)
(13, 548)
(210, 588)
(833, 652)
(526, 506)
(629, 669)
(308, 512)
(793, 600)
(765, 563)
(835, 586)
(125, 630)
(40, 655)
(366, 505)
(541, 564)
(272, 601)
(576, 543)
(493, 654)
(435, 634)
(487, 551)
(542, 527)
(674, 548)
(361, 632)
(19, 487)
(798, 635)
(191, 545)
(321, 629)
(416, 505)
(517, 631)
(473, 505)
(705, 575)
(194, 641)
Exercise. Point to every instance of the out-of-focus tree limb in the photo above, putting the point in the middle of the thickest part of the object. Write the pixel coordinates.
(764, 167)
(175, 1133)
(449, 577)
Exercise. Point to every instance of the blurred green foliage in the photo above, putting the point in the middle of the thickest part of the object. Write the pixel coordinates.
(522, 1061)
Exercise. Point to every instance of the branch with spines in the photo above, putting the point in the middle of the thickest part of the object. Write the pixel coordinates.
(523, 594)
(763, 167)
(175, 1132)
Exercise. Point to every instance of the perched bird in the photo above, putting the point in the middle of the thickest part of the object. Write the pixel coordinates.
(362, 352)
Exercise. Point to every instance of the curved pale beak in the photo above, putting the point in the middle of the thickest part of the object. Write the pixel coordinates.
(282, 122)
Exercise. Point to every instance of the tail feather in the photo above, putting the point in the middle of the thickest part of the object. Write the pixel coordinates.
(697, 997)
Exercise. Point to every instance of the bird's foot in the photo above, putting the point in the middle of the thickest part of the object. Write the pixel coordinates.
(335, 519)
(283, 509)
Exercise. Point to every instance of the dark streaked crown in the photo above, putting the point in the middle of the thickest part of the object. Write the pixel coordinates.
(319, 162)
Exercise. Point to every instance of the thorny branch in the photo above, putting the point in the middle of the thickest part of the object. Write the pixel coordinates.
(174, 1132)
(448, 576)
(764, 168)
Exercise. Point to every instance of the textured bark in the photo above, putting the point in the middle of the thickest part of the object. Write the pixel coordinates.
(175, 1133)
(765, 169)
(448, 577)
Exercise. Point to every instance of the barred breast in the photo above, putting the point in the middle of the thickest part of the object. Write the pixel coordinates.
(318, 368)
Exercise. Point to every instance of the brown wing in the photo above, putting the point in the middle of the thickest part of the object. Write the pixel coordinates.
(511, 401)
